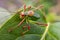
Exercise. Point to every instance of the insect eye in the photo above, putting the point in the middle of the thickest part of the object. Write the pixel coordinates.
(30, 13)
(22, 15)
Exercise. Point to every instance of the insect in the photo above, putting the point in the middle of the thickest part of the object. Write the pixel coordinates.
(24, 15)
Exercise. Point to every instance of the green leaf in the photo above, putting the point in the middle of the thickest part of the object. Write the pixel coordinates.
(29, 37)
(49, 37)
(7, 37)
(54, 31)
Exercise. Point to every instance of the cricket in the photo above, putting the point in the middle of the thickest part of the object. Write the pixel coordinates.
(24, 15)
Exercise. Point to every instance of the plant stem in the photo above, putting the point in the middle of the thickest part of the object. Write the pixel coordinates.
(46, 30)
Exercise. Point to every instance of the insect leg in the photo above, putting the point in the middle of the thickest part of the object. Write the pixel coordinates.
(11, 29)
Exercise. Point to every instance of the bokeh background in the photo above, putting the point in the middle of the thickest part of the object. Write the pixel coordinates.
(7, 7)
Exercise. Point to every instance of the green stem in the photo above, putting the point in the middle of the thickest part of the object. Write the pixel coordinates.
(46, 30)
